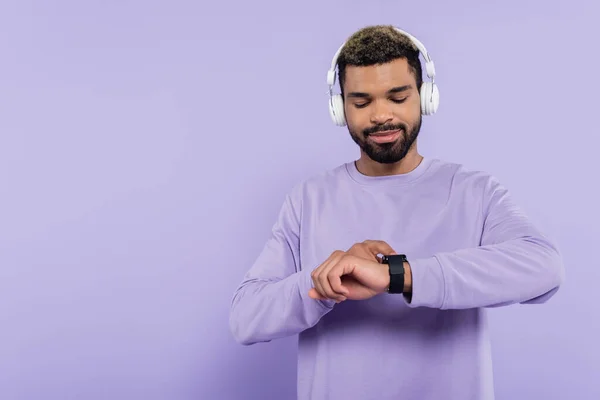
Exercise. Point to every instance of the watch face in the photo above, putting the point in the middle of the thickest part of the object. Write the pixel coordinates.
(386, 259)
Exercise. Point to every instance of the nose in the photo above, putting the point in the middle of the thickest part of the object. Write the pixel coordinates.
(381, 112)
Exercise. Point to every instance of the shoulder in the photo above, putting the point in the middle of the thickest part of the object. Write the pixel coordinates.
(313, 186)
(466, 177)
(478, 188)
(315, 183)
(471, 185)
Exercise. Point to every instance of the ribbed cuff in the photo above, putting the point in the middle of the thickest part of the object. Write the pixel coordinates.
(428, 283)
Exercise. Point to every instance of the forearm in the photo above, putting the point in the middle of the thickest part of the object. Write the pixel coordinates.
(264, 310)
(522, 270)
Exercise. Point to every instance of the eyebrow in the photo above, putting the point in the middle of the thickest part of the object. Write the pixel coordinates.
(396, 89)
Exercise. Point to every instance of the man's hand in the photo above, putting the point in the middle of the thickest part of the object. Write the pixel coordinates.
(370, 249)
(356, 274)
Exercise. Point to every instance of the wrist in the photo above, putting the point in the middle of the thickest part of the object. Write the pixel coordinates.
(399, 275)
(407, 278)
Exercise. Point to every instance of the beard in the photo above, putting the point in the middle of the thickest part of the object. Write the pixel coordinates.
(387, 153)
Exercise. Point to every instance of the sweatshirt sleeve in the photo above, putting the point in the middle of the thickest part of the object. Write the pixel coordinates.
(272, 300)
(515, 263)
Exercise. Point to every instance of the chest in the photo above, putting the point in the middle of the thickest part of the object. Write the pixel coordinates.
(418, 224)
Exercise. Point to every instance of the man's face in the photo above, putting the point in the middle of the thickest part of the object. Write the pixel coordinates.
(383, 109)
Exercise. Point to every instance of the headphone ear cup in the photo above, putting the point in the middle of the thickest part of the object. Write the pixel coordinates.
(430, 98)
(336, 110)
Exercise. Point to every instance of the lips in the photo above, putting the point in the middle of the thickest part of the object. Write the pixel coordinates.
(386, 136)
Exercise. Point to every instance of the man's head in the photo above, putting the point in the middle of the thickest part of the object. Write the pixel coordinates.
(380, 77)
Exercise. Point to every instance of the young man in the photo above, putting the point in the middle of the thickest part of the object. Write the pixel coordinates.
(411, 325)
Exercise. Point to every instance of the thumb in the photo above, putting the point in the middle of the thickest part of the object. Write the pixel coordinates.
(390, 253)
(379, 247)
(313, 294)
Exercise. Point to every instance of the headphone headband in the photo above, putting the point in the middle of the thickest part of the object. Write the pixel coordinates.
(429, 65)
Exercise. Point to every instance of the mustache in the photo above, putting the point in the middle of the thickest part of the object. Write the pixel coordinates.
(383, 128)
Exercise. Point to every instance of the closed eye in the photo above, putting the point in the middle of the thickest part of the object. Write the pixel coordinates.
(363, 105)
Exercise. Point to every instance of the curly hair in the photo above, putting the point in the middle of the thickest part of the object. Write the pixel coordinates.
(378, 44)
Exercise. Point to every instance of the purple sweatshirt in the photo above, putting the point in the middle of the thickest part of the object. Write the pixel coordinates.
(469, 247)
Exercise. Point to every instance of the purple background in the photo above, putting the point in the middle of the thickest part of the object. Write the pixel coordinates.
(146, 146)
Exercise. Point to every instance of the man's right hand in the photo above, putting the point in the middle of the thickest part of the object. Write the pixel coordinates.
(367, 250)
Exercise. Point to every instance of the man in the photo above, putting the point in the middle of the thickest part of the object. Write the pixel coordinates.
(385, 266)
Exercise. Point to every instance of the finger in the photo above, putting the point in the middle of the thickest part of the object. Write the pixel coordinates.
(315, 274)
(349, 263)
(314, 294)
(323, 279)
(334, 278)
(379, 247)
(318, 273)
(316, 283)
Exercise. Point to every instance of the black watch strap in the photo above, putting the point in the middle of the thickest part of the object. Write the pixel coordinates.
(396, 266)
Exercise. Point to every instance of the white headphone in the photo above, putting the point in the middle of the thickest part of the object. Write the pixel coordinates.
(430, 95)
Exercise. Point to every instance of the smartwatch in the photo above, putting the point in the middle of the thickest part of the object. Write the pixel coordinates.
(396, 264)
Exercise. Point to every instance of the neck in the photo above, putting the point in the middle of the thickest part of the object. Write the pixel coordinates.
(367, 166)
